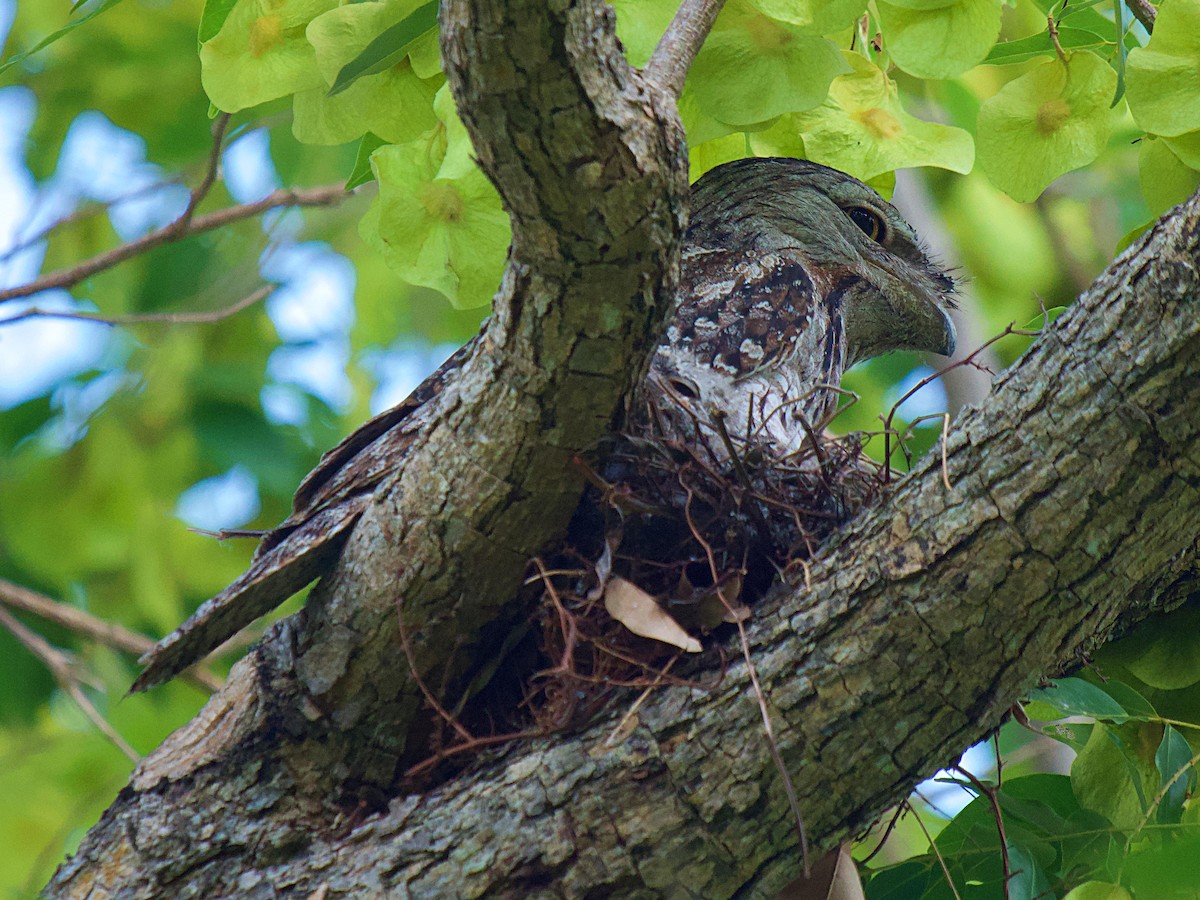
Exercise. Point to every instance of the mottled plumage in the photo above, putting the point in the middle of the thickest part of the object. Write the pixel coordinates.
(782, 286)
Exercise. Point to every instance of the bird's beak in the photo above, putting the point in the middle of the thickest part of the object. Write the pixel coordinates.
(949, 336)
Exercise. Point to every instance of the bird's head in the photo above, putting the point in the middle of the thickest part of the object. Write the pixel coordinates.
(855, 245)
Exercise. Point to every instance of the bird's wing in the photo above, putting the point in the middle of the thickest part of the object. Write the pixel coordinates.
(327, 505)
(743, 312)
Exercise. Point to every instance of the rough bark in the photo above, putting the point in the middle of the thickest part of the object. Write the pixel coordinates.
(1073, 503)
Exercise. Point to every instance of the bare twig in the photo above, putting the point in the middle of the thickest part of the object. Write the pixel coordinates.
(680, 43)
(325, 195)
(991, 792)
(772, 744)
(1144, 12)
(60, 667)
(185, 318)
(76, 620)
(936, 852)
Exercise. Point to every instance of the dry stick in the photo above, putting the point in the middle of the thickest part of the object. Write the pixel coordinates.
(888, 431)
(192, 318)
(887, 833)
(668, 66)
(994, 801)
(433, 701)
(1144, 12)
(936, 852)
(60, 667)
(772, 744)
(325, 195)
(110, 635)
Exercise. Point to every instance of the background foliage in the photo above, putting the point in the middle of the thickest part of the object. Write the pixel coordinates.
(1043, 136)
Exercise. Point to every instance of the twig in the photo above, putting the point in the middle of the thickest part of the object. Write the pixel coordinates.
(887, 833)
(772, 744)
(60, 667)
(936, 852)
(668, 66)
(1144, 12)
(888, 431)
(76, 620)
(185, 318)
(325, 195)
(994, 801)
(433, 701)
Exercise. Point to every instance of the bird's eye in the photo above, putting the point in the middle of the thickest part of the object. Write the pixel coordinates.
(868, 221)
(684, 389)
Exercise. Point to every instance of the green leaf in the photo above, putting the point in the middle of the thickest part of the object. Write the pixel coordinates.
(1028, 881)
(1098, 890)
(1076, 697)
(753, 68)
(446, 233)
(639, 26)
(1186, 147)
(1166, 181)
(1164, 76)
(1024, 49)
(1165, 869)
(940, 42)
(214, 16)
(713, 153)
(388, 48)
(21, 421)
(1111, 778)
(1163, 652)
(362, 171)
(1052, 119)
(393, 102)
(863, 129)
(1174, 763)
(261, 53)
(814, 16)
(45, 42)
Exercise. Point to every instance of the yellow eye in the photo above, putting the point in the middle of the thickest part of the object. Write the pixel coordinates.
(869, 222)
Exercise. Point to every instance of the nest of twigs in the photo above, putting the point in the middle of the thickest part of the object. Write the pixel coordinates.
(688, 533)
(699, 531)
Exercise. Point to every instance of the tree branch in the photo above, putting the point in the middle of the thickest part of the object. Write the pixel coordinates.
(1074, 512)
(1144, 12)
(109, 634)
(677, 48)
(206, 317)
(326, 195)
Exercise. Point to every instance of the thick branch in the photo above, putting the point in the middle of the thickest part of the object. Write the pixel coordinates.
(1073, 508)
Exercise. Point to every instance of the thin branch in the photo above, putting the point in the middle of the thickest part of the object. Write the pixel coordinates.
(325, 195)
(1144, 12)
(60, 667)
(109, 634)
(680, 43)
(184, 318)
(936, 852)
(210, 175)
(992, 794)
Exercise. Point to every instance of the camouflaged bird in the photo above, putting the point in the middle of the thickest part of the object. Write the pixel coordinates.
(790, 273)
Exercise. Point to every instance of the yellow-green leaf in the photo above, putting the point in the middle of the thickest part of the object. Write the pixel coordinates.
(814, 16)
(261, 53)
(753, 68)
(1163, 78)
(1052, 119)
(863, 129)
(394, 104)
(939, 42)
(448, 234)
